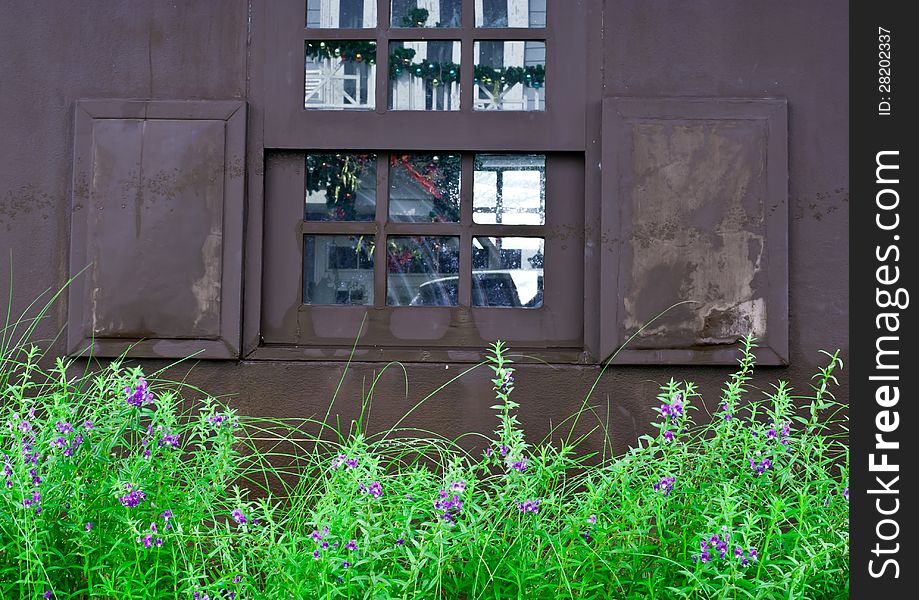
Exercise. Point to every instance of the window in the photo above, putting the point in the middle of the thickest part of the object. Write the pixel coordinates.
(424, 181)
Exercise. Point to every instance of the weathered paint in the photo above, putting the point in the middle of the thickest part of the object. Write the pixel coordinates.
(53, 53)
(697, 192)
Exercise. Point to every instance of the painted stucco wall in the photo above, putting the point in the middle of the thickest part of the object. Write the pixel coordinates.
(53, 53)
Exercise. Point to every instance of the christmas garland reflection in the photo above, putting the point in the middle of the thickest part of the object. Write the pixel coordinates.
(401, 61)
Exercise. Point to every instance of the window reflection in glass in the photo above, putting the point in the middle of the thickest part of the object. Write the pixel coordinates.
(509, 75)
(426, 13)
(340, 187)
(340, 75)
(338, 269)
(510, 13)
(422, 271)
(424, 188)
(509, 189)
(507, 271)
(341, 14)
(424, 75)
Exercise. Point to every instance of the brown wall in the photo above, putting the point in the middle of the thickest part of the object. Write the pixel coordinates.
(53, 53)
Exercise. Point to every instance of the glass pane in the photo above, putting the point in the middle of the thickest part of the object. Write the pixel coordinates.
(424, 188)
(423, 271)
(507, 271)
(340, 75)
(509, 75)
(424, 75)
(509, 189)
(426, 13)
(510, 13)
(340, 187)
(338, 269)
(341, 14)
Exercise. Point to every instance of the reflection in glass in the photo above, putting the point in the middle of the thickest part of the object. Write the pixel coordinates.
(341, 14)
(509, 189)
(424, 188)
(424, 75)
(509, 75)
(426, 13)
(340, 187)
(340, 75)
(338, 269)
(423, 271)
(510, 13)
(507, 271)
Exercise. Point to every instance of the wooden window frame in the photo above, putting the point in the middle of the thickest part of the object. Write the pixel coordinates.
(282, 131)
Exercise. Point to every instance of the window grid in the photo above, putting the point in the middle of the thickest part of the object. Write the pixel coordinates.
(467, 34)
(466, 229)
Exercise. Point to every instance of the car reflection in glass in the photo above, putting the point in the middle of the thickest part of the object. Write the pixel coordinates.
(511, 289)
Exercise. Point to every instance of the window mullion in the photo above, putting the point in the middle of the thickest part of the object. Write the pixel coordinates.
(379, 252)
(465, 267)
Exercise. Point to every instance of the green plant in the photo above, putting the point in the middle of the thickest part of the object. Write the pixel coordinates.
(115, 486)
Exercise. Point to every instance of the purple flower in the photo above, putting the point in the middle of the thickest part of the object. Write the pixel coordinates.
(374, 489)
(147, 540)
(88, 425)
(343, 460)
(59, 442)
(169, 439)
(47, 594)
(845, 493)
(760, 467)
(89, 526)
(668, 435)
(504, 450)
(140, 395)
(592, 519)
(33, 500)
(218, 420)
(665, 485)
(315, 554)
(238, 516)
(133, 497)
(351, 545)
(63, 427)
(345, 564)
(450, 506)
(520, 465)
(158, 542)
(529, 506)
(458, 486)
(400, 542)
(238, 578)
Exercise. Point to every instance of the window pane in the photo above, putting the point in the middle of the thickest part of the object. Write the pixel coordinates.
(426, 13)
(423, 271)
(510, 75)
(509, 189)
(424, 75)
(338, 269)
(507, 271)
(340, 187)
(340, 75)
(424, 188)
(510, 13)
(341, 14)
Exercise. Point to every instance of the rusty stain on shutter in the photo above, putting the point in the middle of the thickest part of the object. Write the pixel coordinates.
(697, 189)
